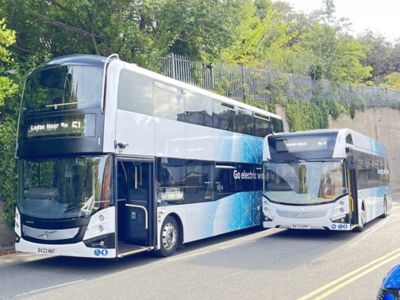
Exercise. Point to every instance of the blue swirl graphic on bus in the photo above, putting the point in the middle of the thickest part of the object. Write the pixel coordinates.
(239, 148)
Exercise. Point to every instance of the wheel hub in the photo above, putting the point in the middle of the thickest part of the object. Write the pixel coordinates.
(169, 237)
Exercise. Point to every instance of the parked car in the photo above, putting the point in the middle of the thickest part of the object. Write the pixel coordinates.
(390, 288)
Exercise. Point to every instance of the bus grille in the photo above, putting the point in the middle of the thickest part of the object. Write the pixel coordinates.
(301, 214)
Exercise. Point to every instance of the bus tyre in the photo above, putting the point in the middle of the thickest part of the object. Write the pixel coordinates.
(385, 210)
(169, 237)
(362, 220)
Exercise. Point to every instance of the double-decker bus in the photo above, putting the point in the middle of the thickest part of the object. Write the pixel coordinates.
(324, 179)
(115, 159)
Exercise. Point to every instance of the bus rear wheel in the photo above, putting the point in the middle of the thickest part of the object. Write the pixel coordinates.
(385, 209)
(362, 222)
(169, 237)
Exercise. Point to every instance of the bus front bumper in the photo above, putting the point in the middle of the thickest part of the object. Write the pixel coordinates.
(76, 249)
(307, 224)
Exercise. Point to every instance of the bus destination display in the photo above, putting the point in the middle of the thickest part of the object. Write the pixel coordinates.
(68, 125)
(312, 143)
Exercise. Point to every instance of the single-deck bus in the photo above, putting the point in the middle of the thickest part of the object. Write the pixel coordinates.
(115, 159)
(324, 179)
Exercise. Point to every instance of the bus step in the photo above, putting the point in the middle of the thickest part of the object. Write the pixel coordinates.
(128, 249)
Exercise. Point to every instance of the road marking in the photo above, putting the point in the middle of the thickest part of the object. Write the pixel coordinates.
(50, 287)
(346, 279)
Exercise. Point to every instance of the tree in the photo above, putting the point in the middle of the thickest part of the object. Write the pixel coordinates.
(140, 31)
(378, 54)
(7, 86)
(260, 37)
(392, 80)
(336, 56)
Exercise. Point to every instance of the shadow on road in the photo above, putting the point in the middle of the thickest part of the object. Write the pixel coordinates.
(272, 251)
(282, 250)
(96, 267)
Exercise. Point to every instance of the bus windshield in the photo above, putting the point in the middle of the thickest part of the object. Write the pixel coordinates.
(303, 183)
(64, 188)
(63, 88)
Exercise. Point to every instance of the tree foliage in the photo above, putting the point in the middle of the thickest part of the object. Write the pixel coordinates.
(392, 80)
(8, 89)
(7, 86)
(140, 31)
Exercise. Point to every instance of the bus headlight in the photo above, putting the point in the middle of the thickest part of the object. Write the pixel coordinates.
(340, 211)
(267, 211)
(102, 241)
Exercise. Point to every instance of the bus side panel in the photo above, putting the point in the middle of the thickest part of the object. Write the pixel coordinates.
(137, 131)
(151, 136)
(200, 142)
(202, 220)
(374, 200)
(170, 138)
(230, 146)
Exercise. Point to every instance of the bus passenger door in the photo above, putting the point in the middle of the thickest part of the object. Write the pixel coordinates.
(136, 209)
(352, 188)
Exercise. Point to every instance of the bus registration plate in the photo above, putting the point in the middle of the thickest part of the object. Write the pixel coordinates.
(300, 226)
(50, 251)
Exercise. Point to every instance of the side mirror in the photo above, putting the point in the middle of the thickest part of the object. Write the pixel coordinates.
(350, 161)
(351, 165)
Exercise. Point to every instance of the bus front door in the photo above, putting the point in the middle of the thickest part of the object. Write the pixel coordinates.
(136, 209)
(352, 189)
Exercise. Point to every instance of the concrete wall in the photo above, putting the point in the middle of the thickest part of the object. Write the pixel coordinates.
(382, 124)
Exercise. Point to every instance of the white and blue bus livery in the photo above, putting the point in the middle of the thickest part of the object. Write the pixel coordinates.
(115, 159)
(324, 179)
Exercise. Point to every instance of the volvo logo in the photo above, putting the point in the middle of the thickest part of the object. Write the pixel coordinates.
(46, 234)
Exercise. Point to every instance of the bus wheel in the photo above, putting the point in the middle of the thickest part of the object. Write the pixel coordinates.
(385, 209)
(169, 237)
(363, 218)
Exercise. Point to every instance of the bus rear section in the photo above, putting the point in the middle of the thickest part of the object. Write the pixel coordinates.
(318, 180)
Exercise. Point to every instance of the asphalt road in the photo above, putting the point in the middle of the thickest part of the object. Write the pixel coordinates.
(270, 264)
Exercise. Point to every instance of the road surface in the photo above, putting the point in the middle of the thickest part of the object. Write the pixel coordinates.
(270, 264)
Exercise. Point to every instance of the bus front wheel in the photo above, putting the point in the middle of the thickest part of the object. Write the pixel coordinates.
(169, 237)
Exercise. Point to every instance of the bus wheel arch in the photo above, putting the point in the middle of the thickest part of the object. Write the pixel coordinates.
(170, 236)
(363, 217)
(385, 207)
(180, 227)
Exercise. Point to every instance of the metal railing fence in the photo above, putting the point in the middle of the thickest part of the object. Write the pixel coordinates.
(265, 86)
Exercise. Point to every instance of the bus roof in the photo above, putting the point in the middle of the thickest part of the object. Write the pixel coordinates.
(99, 61)
(77, 60)
(345, 137)
(186, 86)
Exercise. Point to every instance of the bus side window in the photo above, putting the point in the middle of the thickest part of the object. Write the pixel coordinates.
(223, 116)
(169, 101)
(262, 126)
(135, 93)
(244, 122)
